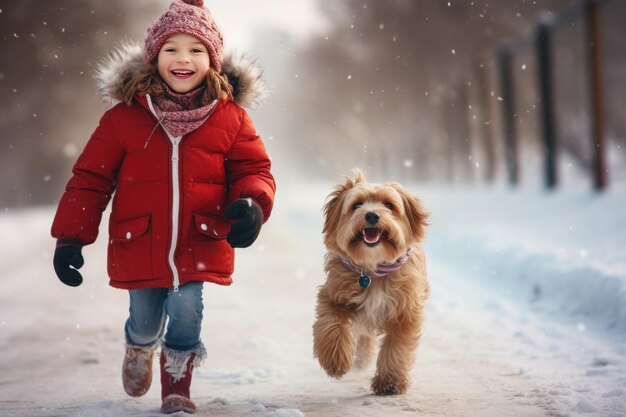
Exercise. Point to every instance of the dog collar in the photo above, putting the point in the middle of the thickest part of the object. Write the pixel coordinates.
(382, 269)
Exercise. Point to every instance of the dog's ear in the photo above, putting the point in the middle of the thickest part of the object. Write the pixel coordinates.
(334, 202)
(414, 211)
(358, 177)
(332, 210)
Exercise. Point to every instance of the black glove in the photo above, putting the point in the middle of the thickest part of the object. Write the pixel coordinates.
(249, 218)
(67, 254)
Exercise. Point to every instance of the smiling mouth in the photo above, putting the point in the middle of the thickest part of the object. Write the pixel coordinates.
(372, 236)
(182, 74)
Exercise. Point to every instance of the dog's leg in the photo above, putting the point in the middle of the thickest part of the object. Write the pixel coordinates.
(397, 354)
(364, 350)
(333, 344)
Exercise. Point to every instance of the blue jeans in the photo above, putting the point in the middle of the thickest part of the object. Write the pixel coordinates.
(149, 308)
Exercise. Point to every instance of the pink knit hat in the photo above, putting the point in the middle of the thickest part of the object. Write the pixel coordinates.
(190, 17)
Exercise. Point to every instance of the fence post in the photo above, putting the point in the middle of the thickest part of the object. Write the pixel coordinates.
(544, 75)
(508, 114)
(594, 49)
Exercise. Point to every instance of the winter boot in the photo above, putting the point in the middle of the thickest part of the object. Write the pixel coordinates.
(137, 369)
(176, 370)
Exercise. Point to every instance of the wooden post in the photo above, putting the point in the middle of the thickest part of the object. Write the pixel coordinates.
(546, 105)
(598, 131)
(508, 114)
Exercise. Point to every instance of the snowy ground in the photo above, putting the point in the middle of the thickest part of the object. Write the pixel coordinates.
(527, 317)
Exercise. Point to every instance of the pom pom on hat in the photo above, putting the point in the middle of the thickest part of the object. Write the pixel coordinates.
(191, 18)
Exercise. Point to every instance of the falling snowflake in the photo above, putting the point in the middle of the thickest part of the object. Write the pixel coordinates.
(70, 150)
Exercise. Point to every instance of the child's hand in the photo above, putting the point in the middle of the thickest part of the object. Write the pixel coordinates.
(249, 218)
(66, 255)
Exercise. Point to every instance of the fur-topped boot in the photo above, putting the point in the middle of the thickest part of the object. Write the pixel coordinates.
(137, 369)
(176, 371)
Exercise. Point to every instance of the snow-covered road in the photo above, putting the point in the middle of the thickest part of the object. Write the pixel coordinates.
(493, 345)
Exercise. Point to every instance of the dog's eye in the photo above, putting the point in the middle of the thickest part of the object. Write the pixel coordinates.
(389, 206)
(356, 206)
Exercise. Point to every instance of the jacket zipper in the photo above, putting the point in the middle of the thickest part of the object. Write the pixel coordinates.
(175, 208)
(175, 140)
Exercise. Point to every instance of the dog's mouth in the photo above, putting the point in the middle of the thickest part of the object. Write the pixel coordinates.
(372, 236)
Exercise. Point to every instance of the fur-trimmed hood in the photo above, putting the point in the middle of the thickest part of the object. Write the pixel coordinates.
(123, 62)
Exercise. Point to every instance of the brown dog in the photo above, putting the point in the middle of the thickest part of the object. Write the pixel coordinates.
(376, 282)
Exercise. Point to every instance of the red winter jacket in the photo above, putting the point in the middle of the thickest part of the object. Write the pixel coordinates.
(167, 224)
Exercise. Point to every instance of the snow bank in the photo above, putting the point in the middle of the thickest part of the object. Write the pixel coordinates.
(563, 252)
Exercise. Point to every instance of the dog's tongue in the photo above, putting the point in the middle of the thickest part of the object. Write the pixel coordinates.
(371, 235)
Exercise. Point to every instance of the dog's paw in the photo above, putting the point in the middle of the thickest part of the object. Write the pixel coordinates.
(389, 385)
(336, 360)
(336, 367)
(334, 348)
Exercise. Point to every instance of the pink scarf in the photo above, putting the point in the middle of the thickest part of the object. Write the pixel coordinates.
(182, 113)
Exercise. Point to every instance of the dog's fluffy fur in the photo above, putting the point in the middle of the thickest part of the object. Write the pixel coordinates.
(350, 318)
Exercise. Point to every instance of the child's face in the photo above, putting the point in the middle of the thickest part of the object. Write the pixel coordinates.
(183, 62)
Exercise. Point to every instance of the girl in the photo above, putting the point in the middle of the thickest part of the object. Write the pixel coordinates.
(192, 181)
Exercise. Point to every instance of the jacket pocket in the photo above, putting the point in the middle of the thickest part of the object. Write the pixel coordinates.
(211, 251)
(132, 248)
(210, 226)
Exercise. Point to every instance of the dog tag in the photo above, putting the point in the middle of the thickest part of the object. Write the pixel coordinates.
(364, 281)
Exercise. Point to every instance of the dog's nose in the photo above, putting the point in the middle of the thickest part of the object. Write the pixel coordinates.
(372, 218)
